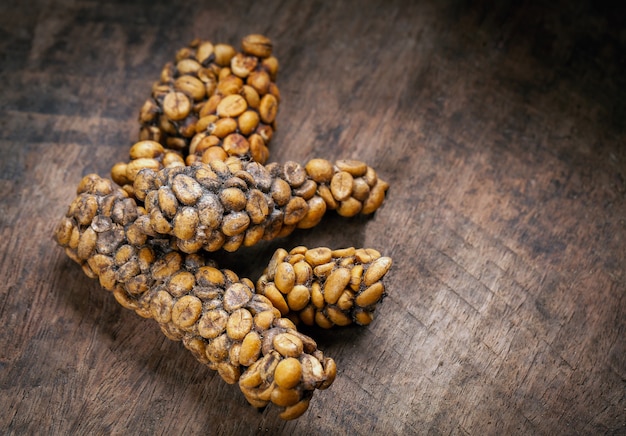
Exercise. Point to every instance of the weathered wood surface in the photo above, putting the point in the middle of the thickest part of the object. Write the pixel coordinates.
(501, 129)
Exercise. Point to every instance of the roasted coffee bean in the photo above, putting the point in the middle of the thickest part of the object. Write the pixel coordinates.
(257, 45)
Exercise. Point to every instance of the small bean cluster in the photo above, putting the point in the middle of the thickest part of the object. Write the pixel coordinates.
(196, 183)
(325, 287)
(211, 103)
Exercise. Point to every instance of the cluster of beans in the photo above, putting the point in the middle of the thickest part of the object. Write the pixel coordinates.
(196, 183)
(217, 315)
(325, 287)
(234, 203)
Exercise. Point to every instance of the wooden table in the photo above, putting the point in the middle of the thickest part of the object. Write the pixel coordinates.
(501, 130)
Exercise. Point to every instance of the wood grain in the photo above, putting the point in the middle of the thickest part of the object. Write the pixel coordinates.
(501, 129)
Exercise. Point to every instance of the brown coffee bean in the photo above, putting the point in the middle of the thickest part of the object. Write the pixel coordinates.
(172, 159)
(248, 122)
(181, 283)
(306, 190)
(268, 107)
(303, 272)
(371, 295)
(254, 234)
(186, 311)
(335, 284)
(376, 197)
(185, 223)
(270, 64)
(371, 177)
(148, 112)
(363, 317)
(275, 91)
(257, 45)
(202, 126)
(236, 295)
(242, 65)
(210, 107)
(250, 349)
(233, 199)
(288, 373)
(366, 255)
(251, 95)
(296, 410)
(146, 149)
(288, 345)
(191, 86)
(259, 80)
(118, 174)
(322, 320)
(325, 193)
(318, 256)
(238, 325)
(346, 301)
(204, 51)
(235, 223)
(277, 299)
(285, 397)
(210, 211)
(285, 277)
(360, 189)
(87, 243)
(188, 191)
(349, 207)
(295, 210)
(256, 206)
(298, 297)
(232, 106)
(376, 270)
(279, 256)
(161, 307)
(356, 274)
(188, 66)
(229, 86)
(317, 297)
(223, 54)
(317, 209)
(307, 315)
(136, 165)
(281, 192)
(337, 317)
(212, 323)
(217, 349)
(294, 173)
(341, 185)
(354, 167)
(263, 320)
(214, 153)
(236, 145)
(176, 106)
(265, 132)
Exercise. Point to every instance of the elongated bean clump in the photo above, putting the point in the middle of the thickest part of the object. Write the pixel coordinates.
(216, 315)
(234, 203)
(325, 287)
(212, 102)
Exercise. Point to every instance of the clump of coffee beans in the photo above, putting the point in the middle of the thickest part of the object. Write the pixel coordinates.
(196, 183)
(325, 287)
